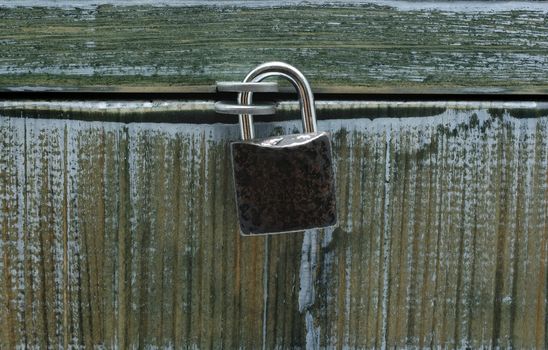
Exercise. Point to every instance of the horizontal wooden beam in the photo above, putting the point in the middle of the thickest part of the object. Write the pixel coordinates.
(341, 48)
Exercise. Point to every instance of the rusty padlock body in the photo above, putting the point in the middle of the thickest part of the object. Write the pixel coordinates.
(284, 184)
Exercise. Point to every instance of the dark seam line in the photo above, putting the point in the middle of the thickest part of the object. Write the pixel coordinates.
(217, 96)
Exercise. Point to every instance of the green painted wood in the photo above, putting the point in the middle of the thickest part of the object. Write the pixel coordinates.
(124, 235)
(360, 47)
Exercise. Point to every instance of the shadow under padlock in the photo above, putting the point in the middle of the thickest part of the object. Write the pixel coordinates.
(283, 183)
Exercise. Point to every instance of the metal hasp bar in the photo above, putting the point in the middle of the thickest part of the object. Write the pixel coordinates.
(297, 79)
(239, 109)
(231, 108)
(238, 86)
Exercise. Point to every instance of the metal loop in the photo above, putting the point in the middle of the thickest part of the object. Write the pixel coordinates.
(297, 79)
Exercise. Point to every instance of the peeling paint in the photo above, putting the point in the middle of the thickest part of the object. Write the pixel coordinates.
(442, 241)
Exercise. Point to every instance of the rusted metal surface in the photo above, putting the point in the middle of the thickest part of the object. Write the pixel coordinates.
(284, 183)
(125, 235)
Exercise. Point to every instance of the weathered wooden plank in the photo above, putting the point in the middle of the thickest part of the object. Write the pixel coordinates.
(32, 265)
(442, 238)
(473, 302)
(358, 47)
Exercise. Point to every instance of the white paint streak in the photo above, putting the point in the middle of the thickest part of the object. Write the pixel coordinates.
(386, 241)
(309, 260)
(312, 333)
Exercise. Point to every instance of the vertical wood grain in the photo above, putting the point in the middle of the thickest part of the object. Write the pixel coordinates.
(442, 238)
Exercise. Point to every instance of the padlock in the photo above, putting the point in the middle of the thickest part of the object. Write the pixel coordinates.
(282, 183)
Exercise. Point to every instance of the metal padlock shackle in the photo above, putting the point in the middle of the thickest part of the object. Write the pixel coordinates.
(297, 79)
